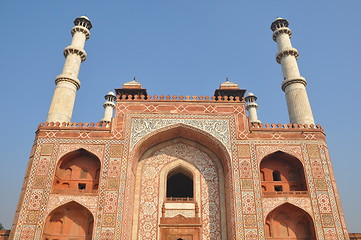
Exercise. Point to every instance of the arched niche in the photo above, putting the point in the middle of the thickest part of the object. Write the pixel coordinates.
(77, 173)
(69, 221)
(282, 173)
(180, 184)
(289, 222)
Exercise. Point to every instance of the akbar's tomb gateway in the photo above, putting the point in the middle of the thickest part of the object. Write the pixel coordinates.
(179, 167)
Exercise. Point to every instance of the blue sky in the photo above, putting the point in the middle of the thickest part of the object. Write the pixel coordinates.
(181, 48)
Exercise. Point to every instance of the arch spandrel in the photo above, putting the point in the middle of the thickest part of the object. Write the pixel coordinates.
(270, 204)
(56, 200)
(65, 149)
(185, 131)
(217, 128)
(293, 150)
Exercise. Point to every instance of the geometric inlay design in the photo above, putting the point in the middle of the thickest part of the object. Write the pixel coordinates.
(243, 150)
(313, 151)
(116, 151)
(47, 149)
(324, 202)
(250, 221)
(246, 184)
(327, 220)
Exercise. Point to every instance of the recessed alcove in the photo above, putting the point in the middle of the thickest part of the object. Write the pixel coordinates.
(282, 173)
(77, 173)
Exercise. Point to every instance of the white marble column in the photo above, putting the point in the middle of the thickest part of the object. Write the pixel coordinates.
(67, 83)
(294, 85)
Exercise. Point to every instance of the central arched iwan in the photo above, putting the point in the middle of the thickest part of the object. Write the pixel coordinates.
(199, 159)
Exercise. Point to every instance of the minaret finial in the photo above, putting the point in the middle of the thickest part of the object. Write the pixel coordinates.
(294, 85)
(67, 83)
(226, 79)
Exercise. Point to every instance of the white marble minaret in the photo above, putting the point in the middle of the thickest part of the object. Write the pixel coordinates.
(251, 107)
(67, 83)
(109, 106)
(294, 85)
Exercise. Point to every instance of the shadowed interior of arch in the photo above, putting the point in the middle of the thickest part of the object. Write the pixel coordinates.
(179, 184)
(283, 173)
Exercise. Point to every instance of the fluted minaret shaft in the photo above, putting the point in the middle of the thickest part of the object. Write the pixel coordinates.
(294, 85)
(67, 83)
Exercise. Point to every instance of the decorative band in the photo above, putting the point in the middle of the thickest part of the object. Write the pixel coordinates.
(286, 52)
(73, 50)
(76, 82)
(81, 29)
(288, 82)
(279, 31)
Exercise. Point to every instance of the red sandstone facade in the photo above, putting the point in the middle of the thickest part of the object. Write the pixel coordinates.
(241, 180)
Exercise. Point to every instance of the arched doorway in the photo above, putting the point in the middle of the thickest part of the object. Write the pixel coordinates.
(289, 222)
(77, 173)
(282, 173)
(69, 221)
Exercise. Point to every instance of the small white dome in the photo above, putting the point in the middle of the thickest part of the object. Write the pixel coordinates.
(111, 93)
(250, 94)
(85, 17)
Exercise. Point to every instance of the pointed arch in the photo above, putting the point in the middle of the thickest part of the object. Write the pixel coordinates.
(288, 221)
(180, 184)
(282, 172)
(71, 221)
(184, 131)
(184, 167)
(76, 173)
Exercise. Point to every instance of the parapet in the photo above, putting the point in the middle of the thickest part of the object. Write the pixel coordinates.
(285, 127)
(74, 125)
(175, 98)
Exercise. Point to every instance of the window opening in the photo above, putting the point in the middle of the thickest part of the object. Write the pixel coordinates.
(179, 185)
(81, 186)
(276, 175)
(278, 188)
